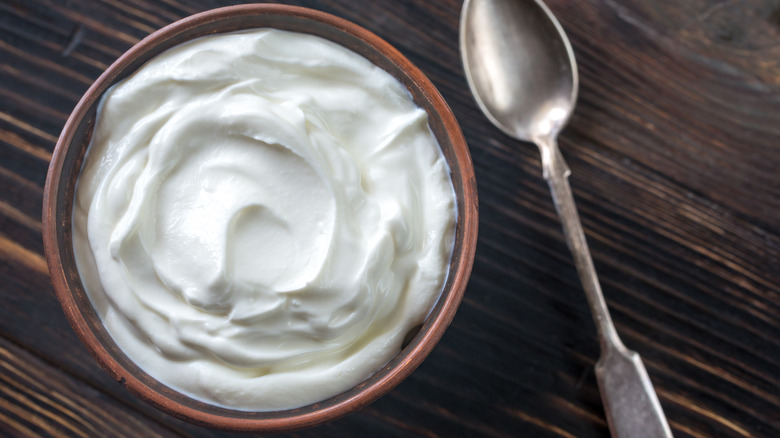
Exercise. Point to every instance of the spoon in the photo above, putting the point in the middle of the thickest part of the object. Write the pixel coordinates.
(521, 69)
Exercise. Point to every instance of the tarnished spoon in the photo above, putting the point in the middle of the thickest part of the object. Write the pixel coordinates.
(522, 72)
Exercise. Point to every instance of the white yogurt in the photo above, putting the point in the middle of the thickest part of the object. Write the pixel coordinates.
(261, 218)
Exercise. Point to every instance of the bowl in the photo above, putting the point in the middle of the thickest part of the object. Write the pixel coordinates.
(66, 164)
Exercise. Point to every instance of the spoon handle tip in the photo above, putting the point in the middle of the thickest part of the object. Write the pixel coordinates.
(630, 401)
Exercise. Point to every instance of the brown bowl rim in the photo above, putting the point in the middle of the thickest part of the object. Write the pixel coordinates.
(57, 211)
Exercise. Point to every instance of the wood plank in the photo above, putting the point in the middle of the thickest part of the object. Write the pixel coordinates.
(36, 398)
(675, 158)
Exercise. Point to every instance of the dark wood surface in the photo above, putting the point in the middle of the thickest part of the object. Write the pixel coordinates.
(675, 158)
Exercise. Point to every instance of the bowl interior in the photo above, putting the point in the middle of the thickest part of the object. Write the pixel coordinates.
(67, 160)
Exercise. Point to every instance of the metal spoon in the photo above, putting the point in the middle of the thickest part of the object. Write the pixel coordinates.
(522, 72)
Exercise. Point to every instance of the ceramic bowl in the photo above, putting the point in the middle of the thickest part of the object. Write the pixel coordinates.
(66, 164)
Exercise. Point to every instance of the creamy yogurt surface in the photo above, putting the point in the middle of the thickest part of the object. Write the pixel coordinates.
(261, 218)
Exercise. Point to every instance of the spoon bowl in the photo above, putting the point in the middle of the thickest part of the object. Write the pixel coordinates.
(521, 69)
(525, 75)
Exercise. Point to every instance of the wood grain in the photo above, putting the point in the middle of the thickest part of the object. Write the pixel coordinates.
(675, 156)
(39, 399)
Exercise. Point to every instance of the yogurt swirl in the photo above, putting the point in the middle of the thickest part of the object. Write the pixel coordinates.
(261, 217)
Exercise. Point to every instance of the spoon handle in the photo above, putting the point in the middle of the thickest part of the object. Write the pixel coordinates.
(630, 402)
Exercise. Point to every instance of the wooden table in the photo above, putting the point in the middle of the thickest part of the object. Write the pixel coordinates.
(675, 158)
